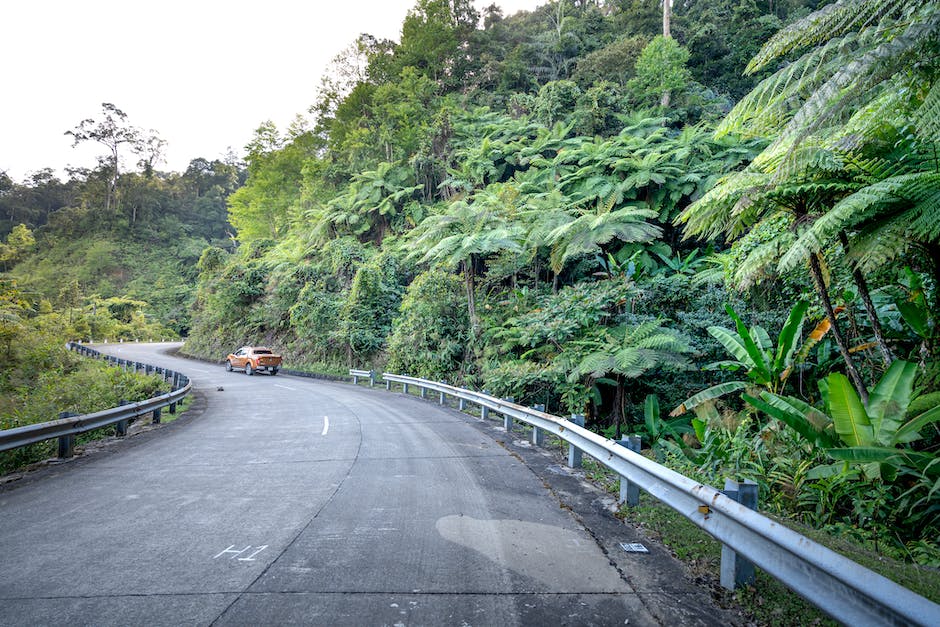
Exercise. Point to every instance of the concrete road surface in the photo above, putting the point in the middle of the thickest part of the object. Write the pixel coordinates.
(283, 500)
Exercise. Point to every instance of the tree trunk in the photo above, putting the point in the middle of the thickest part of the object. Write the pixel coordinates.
(667, 33)
(470, 284)
(618, 407)
(853, 373)
(862, 285)
(667, 18)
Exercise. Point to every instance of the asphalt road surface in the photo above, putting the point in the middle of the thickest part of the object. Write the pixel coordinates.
(283, 500)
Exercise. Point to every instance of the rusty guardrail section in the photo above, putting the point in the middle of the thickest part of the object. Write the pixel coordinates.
(67, 427)
(840, 587)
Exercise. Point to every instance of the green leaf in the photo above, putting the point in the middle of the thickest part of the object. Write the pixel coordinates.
(826, 471)
(888, 402)
(848, 414)
(761, 370)
(732, 344)
(910, 431)
(651, 414)
(915, 317)
(897, 457)
(774, 406)
(790, 336)
(761, 338)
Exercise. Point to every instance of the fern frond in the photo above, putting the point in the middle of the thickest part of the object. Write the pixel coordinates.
(927, 116)
(760, 262)
(831, 21)
(722, 210)
(860, 77)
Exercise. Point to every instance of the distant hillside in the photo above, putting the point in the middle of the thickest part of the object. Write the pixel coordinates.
(143, 248)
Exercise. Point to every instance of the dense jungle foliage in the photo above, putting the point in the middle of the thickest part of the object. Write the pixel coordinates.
(725, 238)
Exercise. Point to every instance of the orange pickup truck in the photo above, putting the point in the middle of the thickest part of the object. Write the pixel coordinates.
(253, 359)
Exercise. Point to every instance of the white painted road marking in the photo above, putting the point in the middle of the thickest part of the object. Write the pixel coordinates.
(278, 385)
(198, 370)
(235, 553)
(326, 425)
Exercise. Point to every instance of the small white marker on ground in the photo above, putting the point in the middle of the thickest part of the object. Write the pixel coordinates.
(326, 425)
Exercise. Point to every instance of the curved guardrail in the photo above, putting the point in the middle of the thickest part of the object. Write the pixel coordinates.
(840, 587)
(67, 428)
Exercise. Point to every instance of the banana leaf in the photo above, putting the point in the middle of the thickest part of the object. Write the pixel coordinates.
(708, 394)
(789, 338)
(774, 406)
(761, 370)
(733, 344)
(761, 338)
(824, 471)
(848, 414)
(889, 400)
(817, 334)
(910, 431)
(897, 457)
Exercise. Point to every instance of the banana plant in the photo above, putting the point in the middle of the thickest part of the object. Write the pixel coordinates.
(872, 436)
(753, 351)
(663, 435)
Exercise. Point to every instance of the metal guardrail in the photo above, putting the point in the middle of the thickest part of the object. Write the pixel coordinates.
(368, 374)
(840, 587)
(66, 428)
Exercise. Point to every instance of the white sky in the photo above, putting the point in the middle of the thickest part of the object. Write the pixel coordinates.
(202, 73)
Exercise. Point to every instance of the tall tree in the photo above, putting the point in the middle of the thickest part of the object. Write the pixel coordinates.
(114, 133)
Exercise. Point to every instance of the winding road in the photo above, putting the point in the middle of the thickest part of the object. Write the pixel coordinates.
(283, 500)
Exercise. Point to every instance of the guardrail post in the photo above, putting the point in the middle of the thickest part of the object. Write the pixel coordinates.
(424, 392)
(443, 400)
(355, 379)
(630, 492)
(372, 378)
(538, 436)
(120, 427)
(175, 386)
(735, 570)
(388, 385)
(507, 420)
(404, 388)
(66, 442)
(157, 414)
(461, 404)
(574, 453)
(484, 410)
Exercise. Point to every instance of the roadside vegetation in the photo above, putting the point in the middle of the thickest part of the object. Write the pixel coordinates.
(42, 378)
(718, 230)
